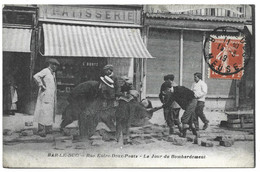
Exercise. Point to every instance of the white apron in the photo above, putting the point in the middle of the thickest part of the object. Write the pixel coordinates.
(46, 101)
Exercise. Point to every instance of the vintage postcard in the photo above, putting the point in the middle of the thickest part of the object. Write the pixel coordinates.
(128, 86)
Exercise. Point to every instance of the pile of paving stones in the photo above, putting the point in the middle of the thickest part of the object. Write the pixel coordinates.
(138, 135)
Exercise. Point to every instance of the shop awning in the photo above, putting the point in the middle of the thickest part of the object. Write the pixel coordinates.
(88, 41)
(16, 40)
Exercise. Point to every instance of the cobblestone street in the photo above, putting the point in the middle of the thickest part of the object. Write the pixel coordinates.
(148, 142)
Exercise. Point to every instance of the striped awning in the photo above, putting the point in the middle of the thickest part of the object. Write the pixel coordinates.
(16, 40)
(89, 41)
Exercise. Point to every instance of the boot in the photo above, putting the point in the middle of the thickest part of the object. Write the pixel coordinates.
(205, 126)
(195, 132)
(171, 131)
(184, 131)
(180, 129)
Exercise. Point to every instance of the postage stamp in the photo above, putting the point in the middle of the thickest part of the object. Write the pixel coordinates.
(227, 55)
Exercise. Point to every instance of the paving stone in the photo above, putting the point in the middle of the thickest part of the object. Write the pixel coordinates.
(28, 123)
(70, 131)
(147, 130)
(97, 142)
(63, 138)
(171, 138)
(223, 124)
(136, 131)
(96, 137)
(133, 136)
(11, 138)
(249, 137)
(147, 136)
(26, 133)
(147, 126)
(106, 135)
(76, 137)
(149, 141)
(7, 132)
(198, 141)
(179, 141)
(226, 143)
(157, 135)
(138, 141)
(164, 126)
(190, 139)
(224, 137)
(207, 143)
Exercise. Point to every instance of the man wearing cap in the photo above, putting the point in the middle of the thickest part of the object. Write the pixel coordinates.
(171, 113)
(44, 113)
(187, 101)
(108, 71)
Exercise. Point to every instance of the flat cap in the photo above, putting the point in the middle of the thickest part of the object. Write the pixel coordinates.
(53, 61)
(108, 66)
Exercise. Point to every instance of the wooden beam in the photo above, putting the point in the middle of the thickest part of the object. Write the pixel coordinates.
(181, 58)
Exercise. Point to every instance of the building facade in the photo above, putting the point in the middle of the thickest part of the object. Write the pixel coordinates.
(176, 36)
(19, 52)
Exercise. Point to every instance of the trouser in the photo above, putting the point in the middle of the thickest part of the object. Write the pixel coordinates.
(200, 114)
(171, 116)
(189, 117)
(124, 114)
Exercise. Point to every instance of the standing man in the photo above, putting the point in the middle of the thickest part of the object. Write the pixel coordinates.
(108, 71)
(171, 113)
(200, 90)
(187, 101)
(44, 113)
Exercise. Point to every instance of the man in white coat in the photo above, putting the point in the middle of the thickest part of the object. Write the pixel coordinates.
(44, 113)
(200, 90)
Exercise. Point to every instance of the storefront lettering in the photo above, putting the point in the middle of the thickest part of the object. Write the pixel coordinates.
(93, 14)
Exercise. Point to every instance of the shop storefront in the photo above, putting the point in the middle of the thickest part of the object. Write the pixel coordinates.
(86, 38)
(177, 41)
(18, 56)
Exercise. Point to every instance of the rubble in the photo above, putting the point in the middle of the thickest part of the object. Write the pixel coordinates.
(190, 139)
(226, 143)
(207, 143)
(95, 137)
(97, 142)
(198, 140)
(70, 131)
(179, 141)
(27, 133)
(171, 138)
(7, 132)
(149, 141)
(106, 135)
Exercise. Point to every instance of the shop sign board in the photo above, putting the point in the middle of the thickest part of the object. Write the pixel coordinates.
(97, 13)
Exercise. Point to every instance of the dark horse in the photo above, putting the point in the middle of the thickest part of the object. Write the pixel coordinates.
(90, 102)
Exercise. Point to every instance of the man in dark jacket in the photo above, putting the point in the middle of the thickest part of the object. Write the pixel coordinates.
(186, 99)
(171, 113)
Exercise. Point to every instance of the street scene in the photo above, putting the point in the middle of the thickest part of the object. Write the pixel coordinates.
(133, 86)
